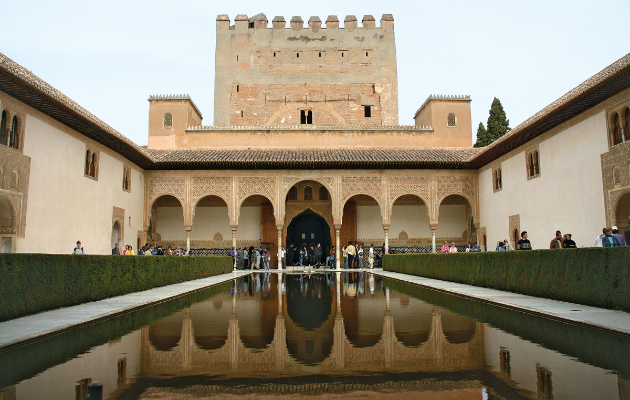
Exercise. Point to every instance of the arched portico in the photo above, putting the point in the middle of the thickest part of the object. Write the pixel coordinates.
(456, 220)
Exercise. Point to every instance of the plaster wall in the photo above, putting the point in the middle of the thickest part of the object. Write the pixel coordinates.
(65, 206)
(570, 379)
(435, 114)
(208, 221)
(567, 196)
(413, 219)
(99, 364)
(369, 223)
(452, 222)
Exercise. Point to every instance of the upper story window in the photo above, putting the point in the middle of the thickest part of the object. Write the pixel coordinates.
(14, 137)
(91, 163)
(533, 163)
(308, 193)
(617, 136)
(3, 129)
(126, 184)
(497, 182)
(367, 111)
(293, 193)
(323, 193)
(451, 120)
(626, 123)
(306, 117)
(168, 120)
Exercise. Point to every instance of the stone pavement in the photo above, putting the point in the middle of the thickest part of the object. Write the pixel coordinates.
(34, 326)
(617, 321)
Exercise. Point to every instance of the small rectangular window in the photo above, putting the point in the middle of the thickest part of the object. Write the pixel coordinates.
(367, 110)
(306, 117)
(237, 88)
(320, 54)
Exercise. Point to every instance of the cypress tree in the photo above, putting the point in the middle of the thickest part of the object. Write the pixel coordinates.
(498, 124)
(482, 136)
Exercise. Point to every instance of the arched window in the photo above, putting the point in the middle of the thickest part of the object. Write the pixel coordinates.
(451, 120)
(126, 178)
(88, 162)
(168, 120)
(13, 135)
(293, 193)
(616, 131)
(93, 165)
(323, 193)
(626, 125)
(496, 176)
(3, 129)
(533, 164)
(15, 180)
(308, 193)
(616, 176)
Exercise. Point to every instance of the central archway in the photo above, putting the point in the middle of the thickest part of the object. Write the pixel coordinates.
(308, 229)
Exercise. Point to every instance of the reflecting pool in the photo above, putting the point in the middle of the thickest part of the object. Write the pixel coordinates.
(328, 335)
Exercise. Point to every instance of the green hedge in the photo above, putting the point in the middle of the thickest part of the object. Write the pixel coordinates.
(597, 277)
(33, 283)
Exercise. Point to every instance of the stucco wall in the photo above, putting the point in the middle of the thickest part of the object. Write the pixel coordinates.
(567, 196)
(208, 221)
(412, 219)
(63, 205)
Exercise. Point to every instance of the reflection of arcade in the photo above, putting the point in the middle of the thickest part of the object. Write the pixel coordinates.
(316, 324)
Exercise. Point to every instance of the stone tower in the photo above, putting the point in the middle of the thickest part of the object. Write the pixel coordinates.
(305, 75)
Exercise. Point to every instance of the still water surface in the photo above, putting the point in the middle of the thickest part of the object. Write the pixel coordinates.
(334, 335)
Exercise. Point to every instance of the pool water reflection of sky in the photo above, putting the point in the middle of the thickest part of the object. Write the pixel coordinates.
(349, 334)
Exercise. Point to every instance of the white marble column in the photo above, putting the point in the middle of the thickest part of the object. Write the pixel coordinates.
(337, 246)
(386, 229)
(433, 249)
(280, 229)
(188, 229)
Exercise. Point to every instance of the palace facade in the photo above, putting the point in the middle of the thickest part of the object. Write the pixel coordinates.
(306, 149)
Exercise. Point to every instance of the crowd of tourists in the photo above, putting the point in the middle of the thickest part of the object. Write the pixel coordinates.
(148, 250)
(250, 258)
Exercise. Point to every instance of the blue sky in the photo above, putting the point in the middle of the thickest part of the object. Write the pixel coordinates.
(109, 56)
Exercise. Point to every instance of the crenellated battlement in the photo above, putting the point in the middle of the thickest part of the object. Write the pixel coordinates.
(260, 21)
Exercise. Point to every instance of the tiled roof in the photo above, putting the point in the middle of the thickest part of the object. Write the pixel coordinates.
(25, 86)
(376, 158)
(605, 84)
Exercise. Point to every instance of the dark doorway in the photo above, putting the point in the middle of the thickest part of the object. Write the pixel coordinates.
(308, 229)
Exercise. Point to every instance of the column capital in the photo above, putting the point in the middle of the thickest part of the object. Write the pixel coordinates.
(234, 227)
(279, 227)
(433, 227)
(188, 228)
(338, 227)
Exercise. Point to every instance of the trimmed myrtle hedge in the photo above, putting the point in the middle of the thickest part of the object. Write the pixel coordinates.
(33, 283)
(596, 276)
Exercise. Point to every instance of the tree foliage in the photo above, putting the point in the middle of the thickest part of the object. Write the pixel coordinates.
(482, 136)
(498, 125)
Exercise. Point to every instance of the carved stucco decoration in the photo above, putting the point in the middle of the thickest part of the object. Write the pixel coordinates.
(616, 158)
(118, 215)
(368, 185)
(403, 185)
(16, 165)
(263, 186)
(465, 186)
(168, 185)
(10, 207)
(220, 187)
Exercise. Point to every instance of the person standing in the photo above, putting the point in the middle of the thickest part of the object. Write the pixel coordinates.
(371, 256)
(252, 258)
(331, 257)
(445, 247)
(524, 243)
(352, 253)
(360, 255)
(469, 248)
(318, 255)
(129, 251)
(476, 248)
(116, 250)
(452, 249)
(79, 249)
(619, 236)
(283, 254)
(568, 243)
(556, 243)
(344, 252)
(609, 240)
(239, 258)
